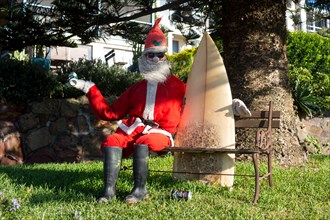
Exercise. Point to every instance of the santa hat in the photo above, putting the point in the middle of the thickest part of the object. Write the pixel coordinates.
(155, 41)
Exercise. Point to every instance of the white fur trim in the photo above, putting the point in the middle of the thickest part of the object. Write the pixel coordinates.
(155, 50)
(149, 108)
(130, 129)
(149, 130)
(87, 86)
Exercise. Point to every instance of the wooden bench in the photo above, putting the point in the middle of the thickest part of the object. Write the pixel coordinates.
(264, 122)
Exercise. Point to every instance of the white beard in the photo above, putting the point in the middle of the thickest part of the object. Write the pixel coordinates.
(154, 72)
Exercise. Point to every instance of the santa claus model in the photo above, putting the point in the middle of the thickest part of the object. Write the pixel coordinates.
(148, 115)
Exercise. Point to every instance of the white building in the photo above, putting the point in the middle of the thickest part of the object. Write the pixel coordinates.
(299, 19)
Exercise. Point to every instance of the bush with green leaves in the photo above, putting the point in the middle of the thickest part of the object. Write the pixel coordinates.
(305, 100)
(181, 63)
(22, 81)
(112, 81)
(310, 51)
(309, 71)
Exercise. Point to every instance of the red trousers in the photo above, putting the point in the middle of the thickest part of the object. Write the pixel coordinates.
(156, 142)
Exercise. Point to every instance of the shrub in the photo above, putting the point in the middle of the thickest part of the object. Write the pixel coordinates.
(23, 82)
(112, 81)
(310, 51)
(181, 63)
(309, 71)
(314, 89)
(305, 100)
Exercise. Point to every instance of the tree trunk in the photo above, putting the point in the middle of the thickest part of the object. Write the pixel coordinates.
(254, 40)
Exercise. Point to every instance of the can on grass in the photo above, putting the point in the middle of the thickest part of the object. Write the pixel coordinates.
(181, 195)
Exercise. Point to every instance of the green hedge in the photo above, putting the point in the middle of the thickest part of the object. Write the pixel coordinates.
(23, 82)
(310, 51)
(112, 81)
(182, 62)
(309, 71)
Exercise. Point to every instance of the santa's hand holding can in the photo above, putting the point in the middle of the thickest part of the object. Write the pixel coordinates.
(79, 83)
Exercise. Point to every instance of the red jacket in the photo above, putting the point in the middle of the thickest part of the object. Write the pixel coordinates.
(161, 104)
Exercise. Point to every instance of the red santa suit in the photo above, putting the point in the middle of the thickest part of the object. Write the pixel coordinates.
(149, 111)
(148, 114)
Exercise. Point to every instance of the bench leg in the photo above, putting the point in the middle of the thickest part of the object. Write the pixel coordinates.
(256, 173)
(270, 174)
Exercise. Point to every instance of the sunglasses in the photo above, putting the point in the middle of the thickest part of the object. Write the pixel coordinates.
(159, 55)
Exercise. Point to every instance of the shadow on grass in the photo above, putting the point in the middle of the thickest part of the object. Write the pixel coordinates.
(84, 181)
(60, 183)
(53, 179)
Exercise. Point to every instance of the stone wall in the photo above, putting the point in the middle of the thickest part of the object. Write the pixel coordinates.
(318, 128)
(54, 130)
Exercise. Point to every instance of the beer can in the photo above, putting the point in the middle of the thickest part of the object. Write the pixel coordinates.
(181, 195)
(73, 75)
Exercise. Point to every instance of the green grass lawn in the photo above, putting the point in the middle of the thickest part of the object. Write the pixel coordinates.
(68, 191)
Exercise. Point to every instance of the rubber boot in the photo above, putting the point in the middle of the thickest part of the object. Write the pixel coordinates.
(111, 168)
(140, 173)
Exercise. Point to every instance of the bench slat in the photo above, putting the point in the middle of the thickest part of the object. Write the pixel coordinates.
(262, 114)
(246, 123)
(210, 150)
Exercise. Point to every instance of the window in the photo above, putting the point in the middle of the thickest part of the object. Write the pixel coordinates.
(175, 44)
(314, 23)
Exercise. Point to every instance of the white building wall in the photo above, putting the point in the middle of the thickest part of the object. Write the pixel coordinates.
(303, 18)
(306, 24)
(296, 8)
(122, 50)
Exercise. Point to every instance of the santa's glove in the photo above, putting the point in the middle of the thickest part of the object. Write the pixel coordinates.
(239, 108)
(79, 83)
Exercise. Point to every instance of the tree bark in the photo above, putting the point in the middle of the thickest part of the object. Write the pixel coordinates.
(254, 41)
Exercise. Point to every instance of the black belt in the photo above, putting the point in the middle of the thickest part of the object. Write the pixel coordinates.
(150, 123)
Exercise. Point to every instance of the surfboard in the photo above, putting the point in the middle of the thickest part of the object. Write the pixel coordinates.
(207, 120)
